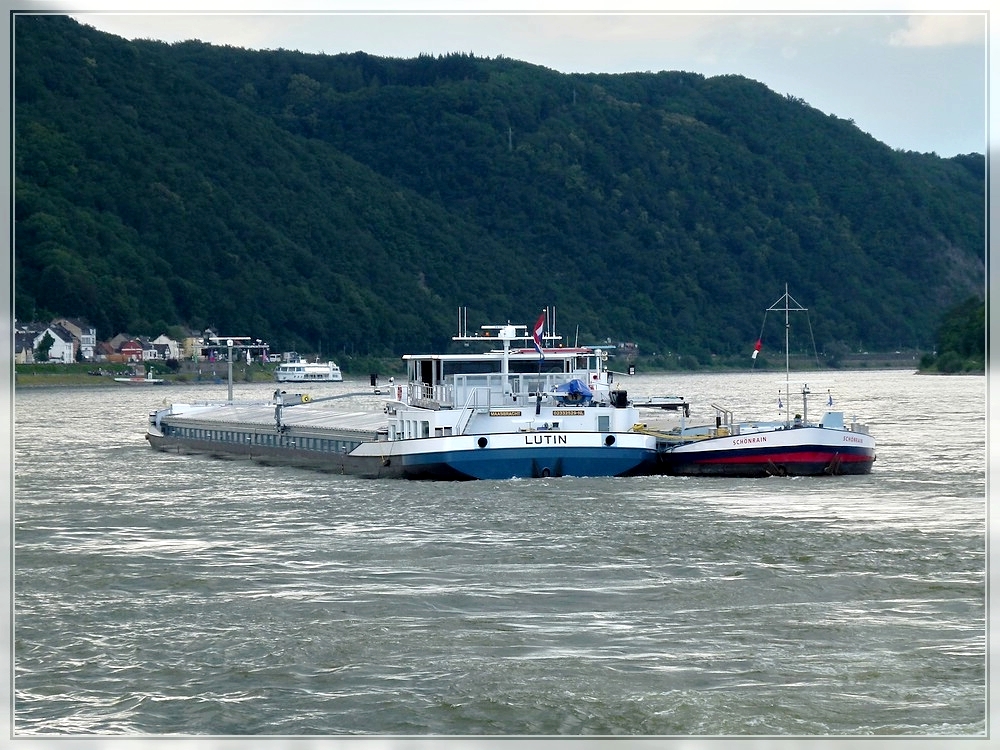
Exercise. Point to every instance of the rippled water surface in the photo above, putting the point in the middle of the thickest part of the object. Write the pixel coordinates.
(163, 594)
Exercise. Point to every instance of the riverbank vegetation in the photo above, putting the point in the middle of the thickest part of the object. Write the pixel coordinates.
(961, 340)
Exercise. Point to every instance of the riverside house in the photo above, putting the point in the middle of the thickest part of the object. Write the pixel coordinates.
(73, 339)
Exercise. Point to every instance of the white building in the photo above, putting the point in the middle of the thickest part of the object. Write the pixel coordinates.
(84, 333)
(173, 348)
(62, 349)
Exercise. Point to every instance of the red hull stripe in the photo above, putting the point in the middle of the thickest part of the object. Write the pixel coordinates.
(784, 458)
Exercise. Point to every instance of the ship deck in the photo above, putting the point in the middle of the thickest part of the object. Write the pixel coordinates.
(365, 425)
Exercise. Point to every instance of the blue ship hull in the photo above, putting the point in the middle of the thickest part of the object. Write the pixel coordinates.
(508, 463)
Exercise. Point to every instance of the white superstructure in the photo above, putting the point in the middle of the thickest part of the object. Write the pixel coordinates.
(300, 371)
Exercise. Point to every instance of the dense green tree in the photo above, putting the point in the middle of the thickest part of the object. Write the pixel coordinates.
(963, 329)
(44, 347)
(353, 203)
(961, 337)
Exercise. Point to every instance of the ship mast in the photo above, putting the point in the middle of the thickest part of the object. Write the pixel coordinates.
(787, 300)
(787, 359)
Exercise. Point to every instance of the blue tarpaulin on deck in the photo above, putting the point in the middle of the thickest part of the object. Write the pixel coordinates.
(573, 392)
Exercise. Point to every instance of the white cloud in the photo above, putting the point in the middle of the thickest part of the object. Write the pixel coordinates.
(941, 30)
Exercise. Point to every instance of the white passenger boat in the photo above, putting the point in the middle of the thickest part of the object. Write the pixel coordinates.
(147, 379)
(512, 411)
(301, 371)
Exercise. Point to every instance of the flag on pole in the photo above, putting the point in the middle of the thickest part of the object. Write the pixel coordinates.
(756, 349)
(536, 334)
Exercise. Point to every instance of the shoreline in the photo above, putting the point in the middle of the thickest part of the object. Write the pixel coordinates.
(59, 380)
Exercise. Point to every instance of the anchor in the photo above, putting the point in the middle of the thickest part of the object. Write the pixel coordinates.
(833, 468)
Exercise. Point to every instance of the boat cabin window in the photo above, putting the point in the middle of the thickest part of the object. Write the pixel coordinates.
(515, 367)
(526, 367)
(469, 368)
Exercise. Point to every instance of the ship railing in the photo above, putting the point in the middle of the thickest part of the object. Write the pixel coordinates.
(479, 399)
(474, 385)
(528, 385)
(520, 387)
(443, 393)
(418, 391)
(724, 423)
(723, 416)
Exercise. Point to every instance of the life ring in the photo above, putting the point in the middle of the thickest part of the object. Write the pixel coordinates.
(306, 399)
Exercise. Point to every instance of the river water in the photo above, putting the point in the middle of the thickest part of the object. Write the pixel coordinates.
(157, 594)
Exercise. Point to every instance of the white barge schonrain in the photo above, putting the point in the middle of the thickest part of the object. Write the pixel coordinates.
(794, 446)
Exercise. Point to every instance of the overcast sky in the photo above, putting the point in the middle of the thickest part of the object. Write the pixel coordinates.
(915, 82)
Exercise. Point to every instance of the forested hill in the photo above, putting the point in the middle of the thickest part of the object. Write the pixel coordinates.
(354, 203)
